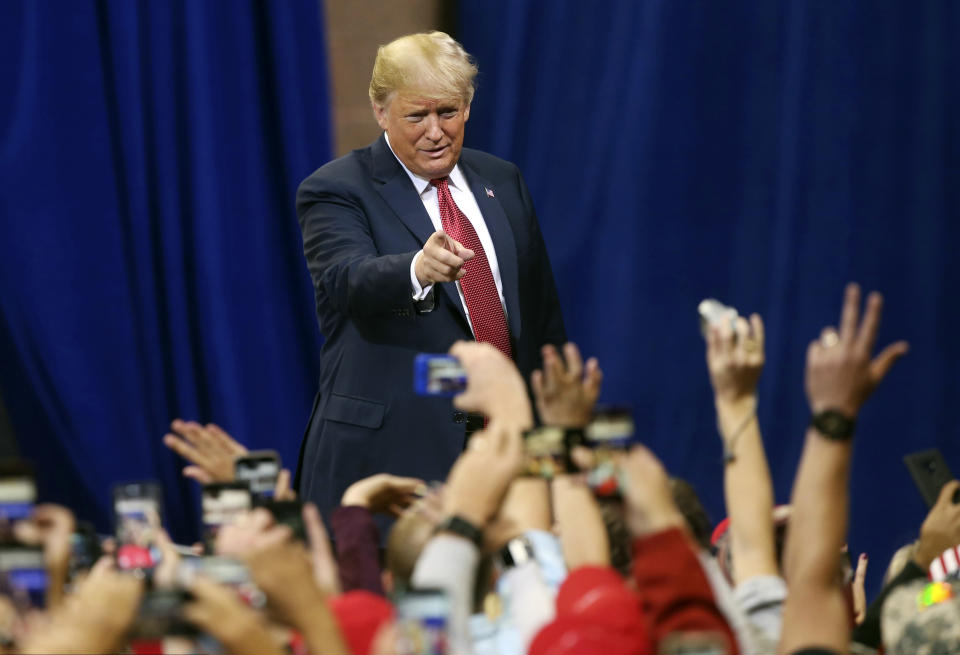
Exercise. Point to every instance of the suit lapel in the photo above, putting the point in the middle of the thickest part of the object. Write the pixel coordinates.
(399, 193)
(503, 243)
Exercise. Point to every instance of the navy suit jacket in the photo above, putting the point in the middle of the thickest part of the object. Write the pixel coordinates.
(362, 222)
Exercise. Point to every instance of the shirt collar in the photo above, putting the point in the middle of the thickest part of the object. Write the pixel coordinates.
(422, 184)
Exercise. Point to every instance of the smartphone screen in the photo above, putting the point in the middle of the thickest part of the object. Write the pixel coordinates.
(18, 495)
(422, 620)
(137, 508)
(545, 452)
(226, 571)
(23, 576)
(438, 375)
(610, 432)
(222, 503)
(259, 470)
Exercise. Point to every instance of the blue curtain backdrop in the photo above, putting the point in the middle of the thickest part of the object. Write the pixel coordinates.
(150, 258)
(762, 153)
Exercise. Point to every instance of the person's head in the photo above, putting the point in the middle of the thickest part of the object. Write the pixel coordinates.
(421, 89)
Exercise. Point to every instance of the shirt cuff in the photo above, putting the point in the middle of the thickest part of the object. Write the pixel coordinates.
(419, 293)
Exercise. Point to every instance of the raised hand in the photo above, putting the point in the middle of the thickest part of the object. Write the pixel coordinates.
(646, 493)
(735, 356)
(50, 526)
(494, 385)
(384, 493)
(442, 259)
(218, 611)
(286, 575)
(479, 479)
(841, 374)
(94, 619)
(252, 532)
(566, 390)
(941, 527)
(209, 449)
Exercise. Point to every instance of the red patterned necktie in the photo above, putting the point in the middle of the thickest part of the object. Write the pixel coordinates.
(478, 285)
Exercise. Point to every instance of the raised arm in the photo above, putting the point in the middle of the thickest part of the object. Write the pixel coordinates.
(840, 376)
(735, 357)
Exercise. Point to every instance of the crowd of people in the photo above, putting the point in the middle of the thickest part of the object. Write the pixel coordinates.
(497, 560)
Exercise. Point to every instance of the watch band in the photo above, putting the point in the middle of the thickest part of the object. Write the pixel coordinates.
(833, 425)
(463, 528)
(517, 551)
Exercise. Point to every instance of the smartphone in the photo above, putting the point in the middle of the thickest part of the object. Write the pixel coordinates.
(23, 576)
(161, 615)
(423, 617)
(226, 571)
(610, 432)
(18, 495)
(259, 469)
(137, 508)
(222, 503)
(713, 312)
(84, 549)
(546, 453)
(285, 512)
(930, 472)
(438, 375)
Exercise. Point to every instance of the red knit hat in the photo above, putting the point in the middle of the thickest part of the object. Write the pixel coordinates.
(360, 614)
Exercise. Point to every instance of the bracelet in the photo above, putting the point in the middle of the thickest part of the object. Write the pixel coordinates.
(728, 444)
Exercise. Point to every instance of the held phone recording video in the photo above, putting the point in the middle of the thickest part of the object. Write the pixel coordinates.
(259, 469)
(18, 494)
(222, 503)
(137, 510)
(285, 512)
(84, 549)
(438, 375)
(227, 571)
(610, 432)
(423, 617)
(546, 452)
(930, 472)
(23, 575)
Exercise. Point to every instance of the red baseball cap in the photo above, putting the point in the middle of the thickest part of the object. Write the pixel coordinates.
(577, 636)
(360, 614)
(598, 594)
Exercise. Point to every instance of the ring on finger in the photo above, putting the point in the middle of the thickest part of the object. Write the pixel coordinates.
(750, 345)
(830, 339)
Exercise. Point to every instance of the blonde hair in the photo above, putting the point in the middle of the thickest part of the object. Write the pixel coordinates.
(429, 62)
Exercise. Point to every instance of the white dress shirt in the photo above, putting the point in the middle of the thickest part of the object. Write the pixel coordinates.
(467, 203)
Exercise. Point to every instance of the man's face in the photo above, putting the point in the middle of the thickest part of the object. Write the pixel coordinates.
(425, 133)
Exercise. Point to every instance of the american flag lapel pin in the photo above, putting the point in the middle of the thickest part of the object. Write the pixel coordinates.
(489, 192)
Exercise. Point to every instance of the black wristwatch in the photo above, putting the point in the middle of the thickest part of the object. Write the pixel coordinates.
(833, 425)
(463, 528)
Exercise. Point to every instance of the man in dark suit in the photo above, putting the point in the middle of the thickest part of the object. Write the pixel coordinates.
(414, 243)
